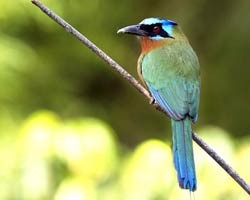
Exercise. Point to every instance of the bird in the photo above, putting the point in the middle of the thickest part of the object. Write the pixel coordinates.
(170, 70)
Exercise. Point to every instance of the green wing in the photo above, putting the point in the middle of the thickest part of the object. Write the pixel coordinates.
(171, 73)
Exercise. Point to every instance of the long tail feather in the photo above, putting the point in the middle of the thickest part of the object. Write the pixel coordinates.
(183, 153)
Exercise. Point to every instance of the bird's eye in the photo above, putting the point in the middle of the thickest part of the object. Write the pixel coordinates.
(156, 29)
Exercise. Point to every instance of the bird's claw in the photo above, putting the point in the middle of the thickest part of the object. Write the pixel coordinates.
(152, 101)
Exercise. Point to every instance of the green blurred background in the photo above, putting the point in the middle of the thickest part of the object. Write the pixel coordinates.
(71, 128)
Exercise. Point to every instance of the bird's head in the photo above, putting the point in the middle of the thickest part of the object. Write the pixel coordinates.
(155, 32)
(152, 28)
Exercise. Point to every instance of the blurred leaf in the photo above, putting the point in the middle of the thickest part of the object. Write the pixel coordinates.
(88, 146)
(148, 174)
(38, 132)
(75, 189)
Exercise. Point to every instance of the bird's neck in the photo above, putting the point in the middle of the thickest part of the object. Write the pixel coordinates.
(148, 44)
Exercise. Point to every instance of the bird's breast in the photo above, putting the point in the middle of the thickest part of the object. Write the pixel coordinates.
(148, 45)
(175, 60)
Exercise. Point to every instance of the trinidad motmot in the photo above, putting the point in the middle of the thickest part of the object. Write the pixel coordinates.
(169, 68)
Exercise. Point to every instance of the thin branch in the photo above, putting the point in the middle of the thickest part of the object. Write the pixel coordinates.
(222, 163)
(139, 87)
(92, 47)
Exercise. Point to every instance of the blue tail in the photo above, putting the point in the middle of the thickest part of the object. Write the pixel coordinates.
(183, 153)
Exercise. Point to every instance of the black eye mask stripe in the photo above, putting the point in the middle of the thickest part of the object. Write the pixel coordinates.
(149, 30)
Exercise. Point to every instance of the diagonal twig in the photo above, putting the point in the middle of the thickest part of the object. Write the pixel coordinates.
(139, 87)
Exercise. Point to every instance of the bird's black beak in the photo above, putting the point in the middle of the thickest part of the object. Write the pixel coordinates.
(133, 29)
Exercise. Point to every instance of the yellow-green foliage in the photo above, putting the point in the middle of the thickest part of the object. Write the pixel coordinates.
(81, 159)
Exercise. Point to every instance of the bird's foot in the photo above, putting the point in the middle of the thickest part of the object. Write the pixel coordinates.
(152, 101)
